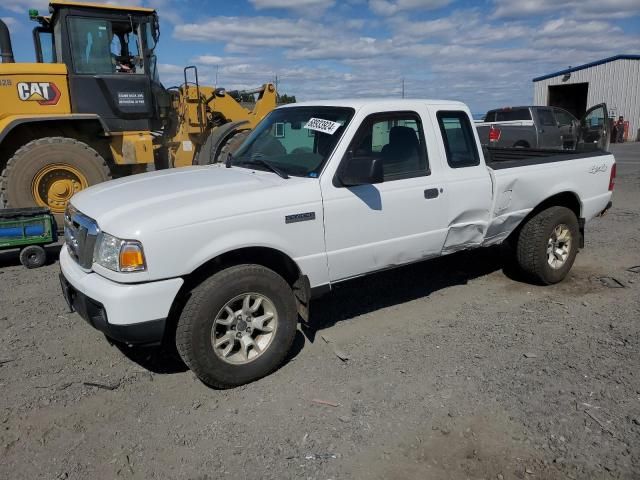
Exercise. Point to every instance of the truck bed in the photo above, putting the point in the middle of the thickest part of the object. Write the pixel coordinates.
(499, 158)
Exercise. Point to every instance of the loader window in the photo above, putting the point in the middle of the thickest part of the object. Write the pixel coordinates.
(297, 140)
(90, 40)
(105, 47)
(43, 41)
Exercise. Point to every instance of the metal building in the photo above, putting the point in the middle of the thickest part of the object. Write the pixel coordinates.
(614, 81)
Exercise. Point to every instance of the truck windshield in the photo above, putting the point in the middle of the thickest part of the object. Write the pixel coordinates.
(295, 140)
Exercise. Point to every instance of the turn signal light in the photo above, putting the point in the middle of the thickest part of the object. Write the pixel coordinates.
(494, 134)
(612, 178)
(132, 258)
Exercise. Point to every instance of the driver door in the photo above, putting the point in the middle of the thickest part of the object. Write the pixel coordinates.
(594, 129)
(402, 219)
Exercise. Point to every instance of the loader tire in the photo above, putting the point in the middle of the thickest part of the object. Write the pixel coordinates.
(232, 144)
(48, 171)
(547, 245)
(210, 153)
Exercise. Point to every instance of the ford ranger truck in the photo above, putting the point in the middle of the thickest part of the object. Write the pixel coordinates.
(224, 259)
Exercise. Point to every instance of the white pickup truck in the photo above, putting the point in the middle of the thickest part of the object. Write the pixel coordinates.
(223, 259)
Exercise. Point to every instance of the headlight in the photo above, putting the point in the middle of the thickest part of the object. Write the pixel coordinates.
(119, 255)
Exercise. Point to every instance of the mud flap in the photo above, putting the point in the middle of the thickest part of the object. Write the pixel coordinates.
(302, 292)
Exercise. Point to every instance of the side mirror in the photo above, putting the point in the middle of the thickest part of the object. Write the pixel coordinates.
(361, 171)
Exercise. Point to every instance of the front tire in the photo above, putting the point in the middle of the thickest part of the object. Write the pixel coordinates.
(547, 245)
(237, 326)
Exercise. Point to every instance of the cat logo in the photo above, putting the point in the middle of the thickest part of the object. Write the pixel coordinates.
(45, 93)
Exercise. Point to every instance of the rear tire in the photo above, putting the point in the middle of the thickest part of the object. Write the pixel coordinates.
(547, 245)
(48, 171)
(33, 256)
(216, 311)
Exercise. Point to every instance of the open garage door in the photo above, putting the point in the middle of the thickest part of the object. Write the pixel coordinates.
(572, 98)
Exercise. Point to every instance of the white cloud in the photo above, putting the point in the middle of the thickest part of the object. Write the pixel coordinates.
(208, 60)
(462, 27)
(251, 31)
(391, 7)
(313, 6)
(23, 6)
(562, 27)
(465, 55)
(580, 8)
(11, 22)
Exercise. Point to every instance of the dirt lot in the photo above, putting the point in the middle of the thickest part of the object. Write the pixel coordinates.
(455, 370)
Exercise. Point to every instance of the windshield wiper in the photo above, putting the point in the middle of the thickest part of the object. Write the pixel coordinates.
(269, 165)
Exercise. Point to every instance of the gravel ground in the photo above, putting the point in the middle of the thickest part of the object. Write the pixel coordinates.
(456, 369)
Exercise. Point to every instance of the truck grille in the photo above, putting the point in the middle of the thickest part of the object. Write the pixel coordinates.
(80, 235)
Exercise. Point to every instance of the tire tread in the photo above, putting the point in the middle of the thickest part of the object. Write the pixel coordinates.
(530, 238)
(188, 317)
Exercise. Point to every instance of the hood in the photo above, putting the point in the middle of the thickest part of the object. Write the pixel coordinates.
(167, 199)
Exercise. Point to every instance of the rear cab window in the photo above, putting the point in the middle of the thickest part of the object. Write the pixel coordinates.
(459, 142)
(508, 115)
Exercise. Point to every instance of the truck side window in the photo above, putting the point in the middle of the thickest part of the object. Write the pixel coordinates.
(459, 142)
(546, 117)
(564, 118)
(398, 139)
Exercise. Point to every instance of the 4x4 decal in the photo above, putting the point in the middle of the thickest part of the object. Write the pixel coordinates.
(45, 93)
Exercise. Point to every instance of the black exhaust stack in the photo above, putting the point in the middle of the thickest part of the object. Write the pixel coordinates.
(6, 50)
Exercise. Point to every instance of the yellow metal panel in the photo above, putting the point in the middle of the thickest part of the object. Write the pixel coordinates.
(32, 91)
(64, 3)
(132, 148)
(33, 68)
(183, 154)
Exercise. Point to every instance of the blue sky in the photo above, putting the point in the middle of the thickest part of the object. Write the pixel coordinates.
(484, 53)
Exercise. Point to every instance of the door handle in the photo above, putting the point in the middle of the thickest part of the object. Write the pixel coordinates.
(430, 193)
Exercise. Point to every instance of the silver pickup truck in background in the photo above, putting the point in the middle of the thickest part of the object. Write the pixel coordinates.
(538, 127)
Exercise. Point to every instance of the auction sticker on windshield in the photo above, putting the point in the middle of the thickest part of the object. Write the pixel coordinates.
(324, 126)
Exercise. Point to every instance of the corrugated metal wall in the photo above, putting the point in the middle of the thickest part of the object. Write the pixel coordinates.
(616, 83)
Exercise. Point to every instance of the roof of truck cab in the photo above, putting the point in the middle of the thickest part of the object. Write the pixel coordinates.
(395, 103)
(105, 6)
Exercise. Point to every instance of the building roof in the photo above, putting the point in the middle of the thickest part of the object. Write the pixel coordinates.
(588, 65)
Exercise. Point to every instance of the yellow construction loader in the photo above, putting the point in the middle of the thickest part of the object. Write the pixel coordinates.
(92, 108)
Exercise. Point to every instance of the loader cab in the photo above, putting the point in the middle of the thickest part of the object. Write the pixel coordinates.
(109, 54)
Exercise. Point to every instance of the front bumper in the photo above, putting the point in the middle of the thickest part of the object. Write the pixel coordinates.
(131, 313)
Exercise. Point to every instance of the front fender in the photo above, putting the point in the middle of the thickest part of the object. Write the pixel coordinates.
(9, 123)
